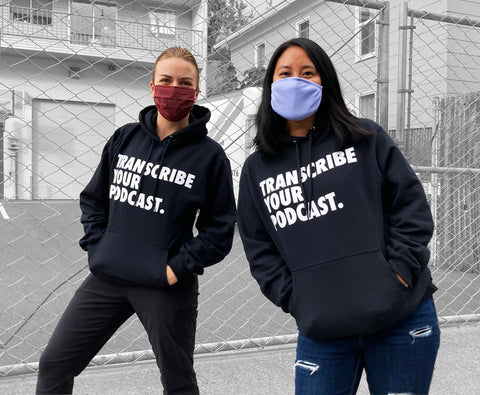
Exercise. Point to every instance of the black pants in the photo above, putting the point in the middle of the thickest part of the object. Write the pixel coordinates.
(98, 309)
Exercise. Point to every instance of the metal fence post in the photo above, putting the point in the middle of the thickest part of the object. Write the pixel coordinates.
(402, 73)
(383, 66)
(434, 179)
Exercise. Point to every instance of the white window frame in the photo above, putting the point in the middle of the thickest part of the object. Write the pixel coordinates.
(358, 38)
(257, 57)
(299, 23)
(162, 23)
(374, 108)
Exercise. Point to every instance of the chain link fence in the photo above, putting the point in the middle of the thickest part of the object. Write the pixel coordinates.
(442, 141)
(72, 72)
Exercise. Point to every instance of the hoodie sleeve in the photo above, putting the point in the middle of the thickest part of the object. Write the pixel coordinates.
(266, 263)
(94, 201)
(215, 224)
(410, 222)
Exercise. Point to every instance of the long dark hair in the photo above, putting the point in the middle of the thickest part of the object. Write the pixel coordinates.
(332, 113)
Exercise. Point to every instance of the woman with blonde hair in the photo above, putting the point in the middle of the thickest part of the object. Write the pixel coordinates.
(157, 178)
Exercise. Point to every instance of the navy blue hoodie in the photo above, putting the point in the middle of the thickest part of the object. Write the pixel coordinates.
(325, 232)
(139, 208)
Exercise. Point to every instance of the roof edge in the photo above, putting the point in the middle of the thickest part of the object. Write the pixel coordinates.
(257, 21)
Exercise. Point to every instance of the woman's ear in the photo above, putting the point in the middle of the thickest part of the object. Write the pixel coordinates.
(152, 88)
(197, 91)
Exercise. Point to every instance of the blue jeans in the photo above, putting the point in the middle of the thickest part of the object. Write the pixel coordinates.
(399, 359)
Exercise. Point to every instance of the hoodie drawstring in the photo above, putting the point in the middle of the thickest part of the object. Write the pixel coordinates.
(308, 198)
(160, 165)
(150, 150)
(309, 157)
(169, 138)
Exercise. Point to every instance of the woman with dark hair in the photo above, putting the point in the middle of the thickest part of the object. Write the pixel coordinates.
(335, 225)
(272, 126)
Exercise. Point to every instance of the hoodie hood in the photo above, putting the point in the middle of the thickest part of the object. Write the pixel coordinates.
(195, 130)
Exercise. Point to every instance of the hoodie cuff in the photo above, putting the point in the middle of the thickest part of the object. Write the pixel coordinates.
(177, 266)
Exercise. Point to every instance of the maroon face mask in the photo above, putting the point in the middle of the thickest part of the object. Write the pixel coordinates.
(173, 102)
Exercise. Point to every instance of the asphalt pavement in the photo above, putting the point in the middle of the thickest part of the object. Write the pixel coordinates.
(267, 371)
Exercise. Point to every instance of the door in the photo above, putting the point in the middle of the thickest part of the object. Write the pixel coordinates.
(68, 138)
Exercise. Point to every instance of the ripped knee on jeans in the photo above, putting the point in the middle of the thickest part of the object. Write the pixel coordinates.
(424, 331)
(308, 366)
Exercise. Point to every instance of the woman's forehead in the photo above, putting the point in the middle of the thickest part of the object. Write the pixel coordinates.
(178, 65)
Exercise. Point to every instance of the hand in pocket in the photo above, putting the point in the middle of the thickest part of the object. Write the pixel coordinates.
(171, 277)
(401, 280)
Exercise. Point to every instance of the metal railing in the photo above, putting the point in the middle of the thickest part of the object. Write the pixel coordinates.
(30, 15)
(91, 30)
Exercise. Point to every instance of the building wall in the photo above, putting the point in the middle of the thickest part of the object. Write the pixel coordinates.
(105, 82)
(126, 91)
(330, 27)
(445, 59)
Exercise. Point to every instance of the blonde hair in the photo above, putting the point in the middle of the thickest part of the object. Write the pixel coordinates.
(178, 52)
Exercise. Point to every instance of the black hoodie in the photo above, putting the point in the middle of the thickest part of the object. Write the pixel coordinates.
(139, 208)
(327, 249)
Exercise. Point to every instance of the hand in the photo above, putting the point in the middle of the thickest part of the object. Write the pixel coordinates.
(171, 277)
(402, 280)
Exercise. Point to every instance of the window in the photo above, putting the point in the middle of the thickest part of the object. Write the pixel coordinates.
(162, 23)
(367, 106)
(260, 55)
(93, 23)
(304, 29)
(366, 42)
(31, 11)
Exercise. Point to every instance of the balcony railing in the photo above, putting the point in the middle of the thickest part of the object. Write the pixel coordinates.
(94, 31)
(29, 15)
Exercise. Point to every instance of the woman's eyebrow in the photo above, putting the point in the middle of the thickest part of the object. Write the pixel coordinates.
(181, 78)
(310, 66)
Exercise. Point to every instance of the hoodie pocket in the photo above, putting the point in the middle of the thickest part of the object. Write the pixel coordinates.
(123, 259)
(354, 295)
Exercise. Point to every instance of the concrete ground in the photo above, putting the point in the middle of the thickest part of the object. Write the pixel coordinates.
(265, 372)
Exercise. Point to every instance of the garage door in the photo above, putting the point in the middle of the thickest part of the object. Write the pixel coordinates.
(68, 138)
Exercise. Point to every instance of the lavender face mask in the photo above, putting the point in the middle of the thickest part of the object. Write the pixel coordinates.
(295, 98)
